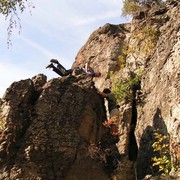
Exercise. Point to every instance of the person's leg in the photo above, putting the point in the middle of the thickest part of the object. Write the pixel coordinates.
(69, 71)
(60, 67)
(63, 70)
(56, 70)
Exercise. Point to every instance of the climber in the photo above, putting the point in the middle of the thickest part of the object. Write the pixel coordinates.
(60, 70)
(63, 72)
(87, 69)
(113, 111)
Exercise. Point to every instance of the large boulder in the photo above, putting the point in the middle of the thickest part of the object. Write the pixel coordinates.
(47, 135)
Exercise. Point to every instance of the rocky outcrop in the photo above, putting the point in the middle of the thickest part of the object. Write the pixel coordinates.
(53, 130)
(150, 45)
(160, 108)
(48, 129)
(102, 50)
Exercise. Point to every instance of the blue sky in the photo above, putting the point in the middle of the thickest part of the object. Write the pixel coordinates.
(53, 29)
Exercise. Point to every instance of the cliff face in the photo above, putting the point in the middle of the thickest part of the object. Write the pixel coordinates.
(52, 130)
(150, 45)
(48, 126)
(102, 50)
(161, 88)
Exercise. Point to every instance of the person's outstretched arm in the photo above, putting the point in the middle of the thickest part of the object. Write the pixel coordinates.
(86, 68)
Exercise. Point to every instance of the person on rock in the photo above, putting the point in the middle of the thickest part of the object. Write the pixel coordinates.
(62, 71)
(87, 69)
(113, 121)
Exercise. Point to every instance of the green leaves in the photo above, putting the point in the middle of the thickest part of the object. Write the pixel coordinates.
(10, 9)
(123, 89)
(7, 7)
(161, 146)
(131, 6)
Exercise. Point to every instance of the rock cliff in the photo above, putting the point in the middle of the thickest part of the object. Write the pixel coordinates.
(53, 130)
(48, 126)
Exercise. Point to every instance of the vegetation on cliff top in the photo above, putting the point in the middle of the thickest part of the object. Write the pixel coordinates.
(131, 6)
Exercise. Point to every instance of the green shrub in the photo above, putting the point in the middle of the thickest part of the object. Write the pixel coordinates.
(122, 61)
(122, 57)
(123, 89)
(131, 6)
(161, 146)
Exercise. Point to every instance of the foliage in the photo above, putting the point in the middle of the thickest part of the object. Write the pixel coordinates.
(122, 57)
(161, 146)
(122, 61)
(131, 6)
(10, 9)
(7, 7)
(123, 89)
(147, 34)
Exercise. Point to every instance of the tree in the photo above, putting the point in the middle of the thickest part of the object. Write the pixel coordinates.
(131, 6)
(10, 9)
